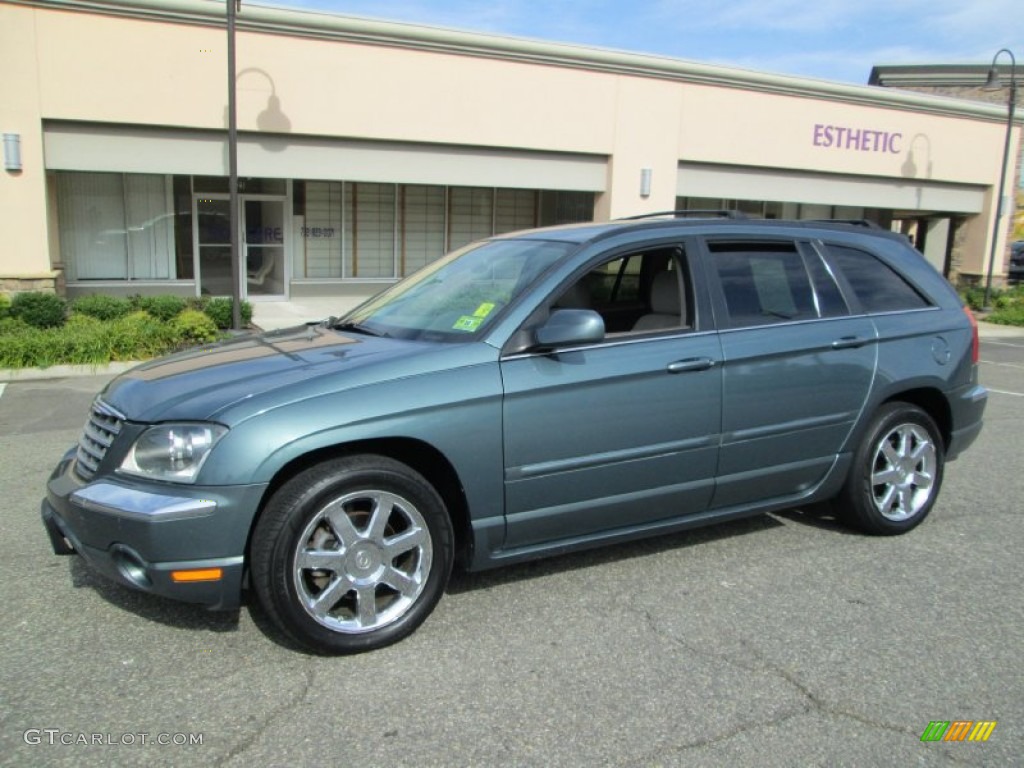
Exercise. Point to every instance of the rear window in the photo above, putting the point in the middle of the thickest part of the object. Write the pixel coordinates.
(877, 285)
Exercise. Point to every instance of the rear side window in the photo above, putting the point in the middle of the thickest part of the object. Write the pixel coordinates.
(763, 282)
(877, 285)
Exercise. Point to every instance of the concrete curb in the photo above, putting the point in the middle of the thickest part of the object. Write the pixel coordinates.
(985, 331)
(996, 331)
(64, 371)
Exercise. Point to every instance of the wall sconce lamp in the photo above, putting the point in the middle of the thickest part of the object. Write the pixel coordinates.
(645, 182)
(12, 151)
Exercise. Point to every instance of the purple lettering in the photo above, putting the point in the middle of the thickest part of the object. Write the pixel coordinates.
(857, 139)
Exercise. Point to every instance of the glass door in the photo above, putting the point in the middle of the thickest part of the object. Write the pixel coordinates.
(212, 214)
(263, 224)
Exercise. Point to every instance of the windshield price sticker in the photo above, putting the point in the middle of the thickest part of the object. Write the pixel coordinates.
(484, 309)
(468, 323)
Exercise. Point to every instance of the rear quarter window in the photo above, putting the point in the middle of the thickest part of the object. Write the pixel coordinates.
(877, 286)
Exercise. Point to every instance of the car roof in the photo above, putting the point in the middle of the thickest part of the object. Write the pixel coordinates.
(719, 224)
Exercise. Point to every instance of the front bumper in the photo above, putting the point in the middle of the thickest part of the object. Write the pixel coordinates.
(154, 537)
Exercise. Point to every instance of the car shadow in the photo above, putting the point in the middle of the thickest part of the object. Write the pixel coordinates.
(148, 606)
(194, 617)
(463, 581)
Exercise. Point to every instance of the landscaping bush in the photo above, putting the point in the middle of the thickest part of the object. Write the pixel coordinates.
(194, 327)
(138, 336)
(101, 329)
(12, 324)
(219, 310)
(164, 308)
(101, 307)
(1011, 315)
(41, 310)
(5, 306)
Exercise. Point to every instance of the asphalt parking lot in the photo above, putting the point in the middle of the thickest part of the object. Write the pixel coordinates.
(780, 640)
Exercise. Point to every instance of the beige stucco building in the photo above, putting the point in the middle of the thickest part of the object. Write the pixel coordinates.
(367, 148)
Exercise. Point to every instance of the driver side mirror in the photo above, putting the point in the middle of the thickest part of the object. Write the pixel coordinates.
(568, 327)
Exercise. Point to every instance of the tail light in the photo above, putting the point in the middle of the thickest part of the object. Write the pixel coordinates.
(975, 342)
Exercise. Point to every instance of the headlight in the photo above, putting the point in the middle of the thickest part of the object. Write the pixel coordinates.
(172, 451)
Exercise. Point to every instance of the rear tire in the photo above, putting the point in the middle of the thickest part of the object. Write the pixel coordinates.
(896, 473)
(352, 554)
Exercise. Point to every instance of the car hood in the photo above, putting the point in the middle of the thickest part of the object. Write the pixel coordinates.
(210, 383)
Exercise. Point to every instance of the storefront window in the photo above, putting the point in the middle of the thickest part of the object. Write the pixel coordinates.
(116, 226)
(371, 230)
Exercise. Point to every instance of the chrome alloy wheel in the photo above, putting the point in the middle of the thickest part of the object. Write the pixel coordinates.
(362, 561)
(903, 472)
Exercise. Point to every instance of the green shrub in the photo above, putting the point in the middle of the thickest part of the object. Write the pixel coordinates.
(137, 336)
(219, 310)
(1011, 315)
(5, 305)
(194, 327)
(101, 306)
(12, 324)
(41, 310)
(80, 320)
(164, 308)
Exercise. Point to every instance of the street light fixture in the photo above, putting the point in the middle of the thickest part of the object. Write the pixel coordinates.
(993, 83)
(234, 215)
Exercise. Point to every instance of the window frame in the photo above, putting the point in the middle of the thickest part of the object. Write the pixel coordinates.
(723, 318)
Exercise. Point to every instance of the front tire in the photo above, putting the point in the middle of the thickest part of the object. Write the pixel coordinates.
(352, 554)
(896, 473)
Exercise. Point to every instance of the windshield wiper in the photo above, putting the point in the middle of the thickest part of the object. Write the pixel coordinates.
(359, 328)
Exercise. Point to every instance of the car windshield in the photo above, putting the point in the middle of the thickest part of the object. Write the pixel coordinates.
(458, 296)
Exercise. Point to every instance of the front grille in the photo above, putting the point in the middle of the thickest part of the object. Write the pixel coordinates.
(102, 428)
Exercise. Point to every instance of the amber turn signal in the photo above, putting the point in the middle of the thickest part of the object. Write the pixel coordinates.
(197, 574)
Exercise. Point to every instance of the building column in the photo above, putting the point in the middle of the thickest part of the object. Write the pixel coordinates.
(647, 122)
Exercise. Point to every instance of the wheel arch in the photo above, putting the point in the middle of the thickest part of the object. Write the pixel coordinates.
(418, 455)
(933, 402)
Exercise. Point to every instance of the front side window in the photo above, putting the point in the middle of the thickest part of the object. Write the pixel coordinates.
(458, 297)
(639, 292)
(763, 282)
(878, 287)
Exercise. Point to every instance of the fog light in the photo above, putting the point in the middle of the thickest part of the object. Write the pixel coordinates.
(132, 567)
(197, 574)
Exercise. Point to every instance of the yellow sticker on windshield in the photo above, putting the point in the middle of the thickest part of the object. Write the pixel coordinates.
(468, 323)
(484, 309)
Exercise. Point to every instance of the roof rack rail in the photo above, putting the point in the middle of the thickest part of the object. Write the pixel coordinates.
(721, 214)
(852, 222)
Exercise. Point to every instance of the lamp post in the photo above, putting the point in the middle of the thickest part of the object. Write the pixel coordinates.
(234, 215)
(993, 84)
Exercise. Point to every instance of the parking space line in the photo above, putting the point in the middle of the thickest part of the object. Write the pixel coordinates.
(2, 388)
(1002, 344)
(1004, 392)
(1002, 365)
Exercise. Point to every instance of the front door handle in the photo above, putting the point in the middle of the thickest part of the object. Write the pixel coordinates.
(849, 342)
(691, 364)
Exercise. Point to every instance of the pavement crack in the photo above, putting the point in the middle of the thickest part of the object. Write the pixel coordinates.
(812, 702)
(297, 698)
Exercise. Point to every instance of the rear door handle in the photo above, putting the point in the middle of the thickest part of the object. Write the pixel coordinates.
(849, 342)
(691, 364)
